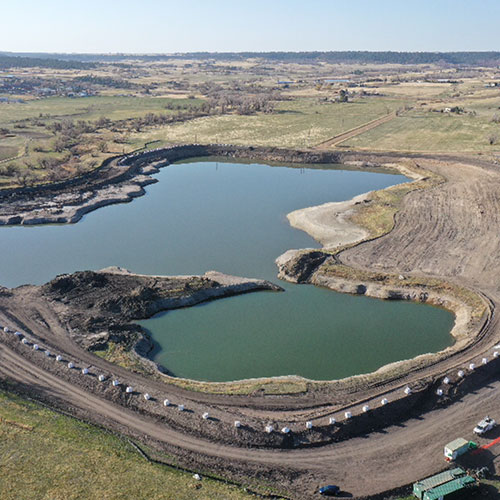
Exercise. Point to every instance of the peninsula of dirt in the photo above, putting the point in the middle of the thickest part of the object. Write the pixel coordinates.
(330, 223)
(98, 307)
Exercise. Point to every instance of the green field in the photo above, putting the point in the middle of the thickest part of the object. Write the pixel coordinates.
(437, 132)
(7, 152)
(297, 122)
(47, 456)
(26, 127)
(300, 123)
(89, 108)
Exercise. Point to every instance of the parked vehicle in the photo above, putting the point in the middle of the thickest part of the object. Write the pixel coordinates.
(485, 425)
(329, 490)
(458, 447)
(463, 488)
(429, 483)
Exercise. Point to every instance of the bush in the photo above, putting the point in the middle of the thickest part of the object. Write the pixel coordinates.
(9, 170)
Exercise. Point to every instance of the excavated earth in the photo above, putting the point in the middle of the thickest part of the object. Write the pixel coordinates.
(450, 232)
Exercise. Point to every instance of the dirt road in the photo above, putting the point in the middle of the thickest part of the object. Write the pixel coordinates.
(334, 141)
(362, 466)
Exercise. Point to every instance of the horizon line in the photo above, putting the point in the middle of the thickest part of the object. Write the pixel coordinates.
(260, 52)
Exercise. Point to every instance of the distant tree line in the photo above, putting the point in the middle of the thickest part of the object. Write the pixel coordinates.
(467, 58)
(105, 81)
(7, 62)
(455, 58)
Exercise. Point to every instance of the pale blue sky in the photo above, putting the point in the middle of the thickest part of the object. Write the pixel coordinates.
(153, 26)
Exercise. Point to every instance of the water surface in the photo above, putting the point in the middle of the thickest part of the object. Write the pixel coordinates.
(208, 214)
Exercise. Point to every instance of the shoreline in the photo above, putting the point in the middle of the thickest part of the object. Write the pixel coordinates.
(440, 268)
(330, 224)
(80, 303)
(121, 179)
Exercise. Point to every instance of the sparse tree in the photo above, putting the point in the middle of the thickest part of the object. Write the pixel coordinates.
(9, 170)
(61, 143)
(343, 96)
(103, 122)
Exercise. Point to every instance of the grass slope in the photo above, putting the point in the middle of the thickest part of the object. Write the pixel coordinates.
(301, 123)
(89, 108)
(45, 455)
(431, 131)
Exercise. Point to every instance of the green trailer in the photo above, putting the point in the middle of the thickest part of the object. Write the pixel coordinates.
(458, 447)
(420, 487)
(458, 488)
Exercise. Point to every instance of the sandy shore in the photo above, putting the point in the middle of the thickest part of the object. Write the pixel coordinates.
(329, 223)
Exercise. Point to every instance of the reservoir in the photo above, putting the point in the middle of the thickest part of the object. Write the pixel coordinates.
(207, 214)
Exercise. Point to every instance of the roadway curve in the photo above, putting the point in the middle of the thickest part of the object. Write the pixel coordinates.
(363, 466)
(451, 231)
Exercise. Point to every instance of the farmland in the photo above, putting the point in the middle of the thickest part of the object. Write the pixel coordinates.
(61, 123)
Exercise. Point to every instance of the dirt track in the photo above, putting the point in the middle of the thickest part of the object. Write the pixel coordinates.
(362, 466)
(452, 232)
(356, 131)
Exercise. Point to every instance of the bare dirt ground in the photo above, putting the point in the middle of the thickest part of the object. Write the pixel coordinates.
(451, 231)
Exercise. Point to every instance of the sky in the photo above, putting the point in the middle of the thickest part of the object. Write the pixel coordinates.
(165, 26)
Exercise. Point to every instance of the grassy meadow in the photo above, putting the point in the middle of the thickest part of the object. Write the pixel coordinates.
(200, 108)
(430, 131)
(48, 456)
(88, 108)
(27, 138)
(300, 123)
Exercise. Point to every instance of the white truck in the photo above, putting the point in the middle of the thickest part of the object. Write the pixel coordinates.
(485, 425)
